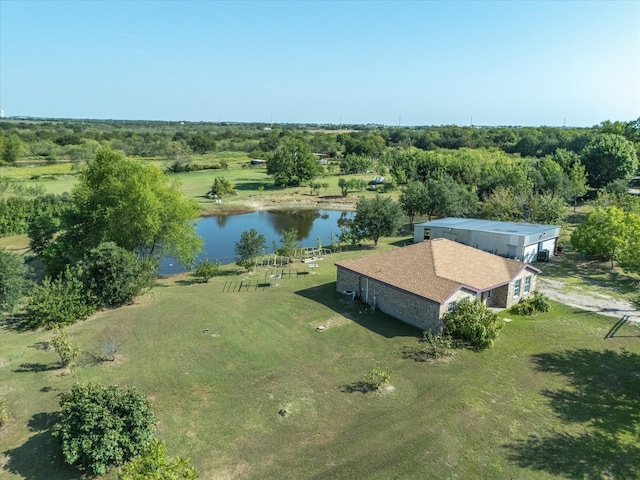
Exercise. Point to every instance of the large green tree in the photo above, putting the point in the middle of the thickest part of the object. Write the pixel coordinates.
(102, 427)
(251, 245)
(609, 157)
(413, 200)
(132, 205)
(113, 275)
(377, 217)
(601, 233)
(14, 279)
(292, 163)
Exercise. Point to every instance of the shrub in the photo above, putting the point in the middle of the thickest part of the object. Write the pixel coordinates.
(102, 427)
(220, 188)
(4, 416)
(14, 279)
(59, 302)
(112, 275)
(63, 347)
(432, 346)
(473, 322)
(207, 270)
(376, 378)
(154, 463)
(536, 303)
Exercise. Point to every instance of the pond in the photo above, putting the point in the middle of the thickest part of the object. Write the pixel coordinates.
(221, 232)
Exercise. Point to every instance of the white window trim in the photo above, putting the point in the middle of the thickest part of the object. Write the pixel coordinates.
(517, 287)
(527, 284)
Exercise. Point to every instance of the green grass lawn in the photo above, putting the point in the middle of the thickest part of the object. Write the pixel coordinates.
(553, 399)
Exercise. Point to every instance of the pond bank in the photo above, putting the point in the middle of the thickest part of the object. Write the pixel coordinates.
(280, 202)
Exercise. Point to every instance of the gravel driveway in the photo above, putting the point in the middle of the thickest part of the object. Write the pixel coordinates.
(602, 304)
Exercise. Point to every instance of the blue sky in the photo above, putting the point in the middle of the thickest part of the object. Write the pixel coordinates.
(408, 63)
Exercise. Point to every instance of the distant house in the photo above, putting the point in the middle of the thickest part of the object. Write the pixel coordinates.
(522, 241)
(419, 283)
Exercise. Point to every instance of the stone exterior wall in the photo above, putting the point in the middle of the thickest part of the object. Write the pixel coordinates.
(407, 307)
(511, 298)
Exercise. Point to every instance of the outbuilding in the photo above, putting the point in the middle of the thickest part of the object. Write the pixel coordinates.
(527, 242)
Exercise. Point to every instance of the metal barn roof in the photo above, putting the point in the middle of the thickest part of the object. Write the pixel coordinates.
(491, 226)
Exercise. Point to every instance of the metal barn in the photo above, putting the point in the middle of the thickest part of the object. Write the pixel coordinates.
(526, 242)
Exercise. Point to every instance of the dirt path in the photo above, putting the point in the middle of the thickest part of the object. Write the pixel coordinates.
(600, 303)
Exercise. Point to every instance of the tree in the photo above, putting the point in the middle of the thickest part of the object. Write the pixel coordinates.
(60, 301)
(550, 178)
(12, 148)
(221, 187)
(288, 243)
(292, 163)
(447, 198)
(547, 209)
(154, 464)
(113, 276)
(102, 427)
(473, 322)
(609, 157)
(502, 205)
(413, 200)
(14, 279)
(207, 270)
(576, 185)
(601, 233)
(629, 244)
(251, 245)
(380, 216)
(132, 205)
(42, 230)
(63, 347)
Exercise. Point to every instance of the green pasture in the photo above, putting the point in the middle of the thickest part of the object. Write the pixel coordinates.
(248, 181)
(244, 384)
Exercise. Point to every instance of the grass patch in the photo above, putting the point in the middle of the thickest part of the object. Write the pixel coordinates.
(552, 399)
(593, 277)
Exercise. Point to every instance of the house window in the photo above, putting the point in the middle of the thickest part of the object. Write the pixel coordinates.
(527, 285)
(490, 294)
(516, 288)
(451, 306)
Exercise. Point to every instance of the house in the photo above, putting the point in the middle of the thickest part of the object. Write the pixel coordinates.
(527, 242)
(419, 283)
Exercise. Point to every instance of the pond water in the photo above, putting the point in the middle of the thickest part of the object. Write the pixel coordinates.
(221, 232)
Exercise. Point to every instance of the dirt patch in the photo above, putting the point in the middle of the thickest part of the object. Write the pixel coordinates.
(600, 303)
(281, 202)
(333, 322)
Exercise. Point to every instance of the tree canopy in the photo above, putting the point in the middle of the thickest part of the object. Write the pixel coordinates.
(14, 279)
(102, 427)
(608, 157)
(132, 205)
(377, 217)
(292, 163)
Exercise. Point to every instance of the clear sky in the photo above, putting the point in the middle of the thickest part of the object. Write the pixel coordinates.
(409, 63)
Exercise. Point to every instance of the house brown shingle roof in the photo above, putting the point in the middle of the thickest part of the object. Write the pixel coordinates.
(437, 268)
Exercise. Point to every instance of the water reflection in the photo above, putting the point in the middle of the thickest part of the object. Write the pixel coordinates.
(221, 232)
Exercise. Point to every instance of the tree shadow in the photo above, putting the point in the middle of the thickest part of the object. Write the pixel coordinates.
(40, 456)
(376, 321)
(36, 367)
(362, 387)
(603, 395)
(18, 322)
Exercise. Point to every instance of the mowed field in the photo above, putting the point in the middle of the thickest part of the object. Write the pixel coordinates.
(244, 384)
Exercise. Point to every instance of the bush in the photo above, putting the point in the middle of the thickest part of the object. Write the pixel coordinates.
(536, 303)
(112, 275)
(63, 347)
(376, 378)
(432, 347)
(103, 427)
(154, 463)
(473, 322)
(14, 279)
(207, 270)
(4, 416)
(59, 302)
